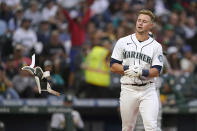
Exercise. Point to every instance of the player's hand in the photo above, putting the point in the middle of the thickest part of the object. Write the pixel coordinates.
(133, 71)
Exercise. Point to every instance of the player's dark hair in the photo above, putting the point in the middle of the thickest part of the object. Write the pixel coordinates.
(147, 12)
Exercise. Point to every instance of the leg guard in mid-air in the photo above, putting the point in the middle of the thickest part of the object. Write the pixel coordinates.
(40, 77)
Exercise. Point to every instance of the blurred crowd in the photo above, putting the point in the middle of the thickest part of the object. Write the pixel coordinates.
(73, 39)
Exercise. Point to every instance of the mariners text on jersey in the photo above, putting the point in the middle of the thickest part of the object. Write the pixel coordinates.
(137, 55)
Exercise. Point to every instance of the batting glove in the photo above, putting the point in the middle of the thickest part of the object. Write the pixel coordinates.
(133, 71)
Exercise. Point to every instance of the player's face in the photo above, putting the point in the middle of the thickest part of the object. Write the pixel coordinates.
(143, 24)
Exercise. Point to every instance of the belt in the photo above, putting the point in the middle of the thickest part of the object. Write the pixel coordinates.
(139, 84)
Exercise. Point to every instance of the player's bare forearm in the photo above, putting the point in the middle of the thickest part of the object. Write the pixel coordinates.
(153, 72)
(117, 68)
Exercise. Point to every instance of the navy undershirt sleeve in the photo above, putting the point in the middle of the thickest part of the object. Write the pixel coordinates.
(158, 67)
(112, 61)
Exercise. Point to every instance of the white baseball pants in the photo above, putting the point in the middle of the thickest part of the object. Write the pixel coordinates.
(142, 99)
(139, 122)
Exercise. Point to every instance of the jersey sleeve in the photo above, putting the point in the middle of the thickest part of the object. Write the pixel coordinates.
(158, 57)
(118, 51)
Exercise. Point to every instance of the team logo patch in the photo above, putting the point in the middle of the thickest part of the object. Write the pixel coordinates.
(160, 57)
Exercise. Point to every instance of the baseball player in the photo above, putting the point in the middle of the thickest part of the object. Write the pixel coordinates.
(138, 58)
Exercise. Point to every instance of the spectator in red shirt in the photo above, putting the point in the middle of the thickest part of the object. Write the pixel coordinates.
(77, 28)
(77, 25)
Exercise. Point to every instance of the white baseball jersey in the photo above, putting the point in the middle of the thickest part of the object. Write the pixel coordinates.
(143, 54)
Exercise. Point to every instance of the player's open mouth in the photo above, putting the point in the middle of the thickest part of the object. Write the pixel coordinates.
(139, 27)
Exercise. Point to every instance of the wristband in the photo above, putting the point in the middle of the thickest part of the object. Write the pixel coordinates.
(125, 67)
(145, 72)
